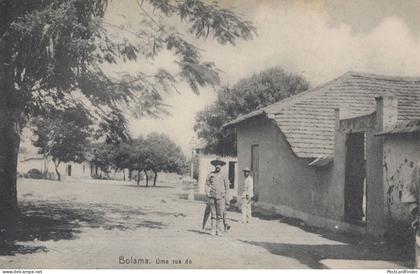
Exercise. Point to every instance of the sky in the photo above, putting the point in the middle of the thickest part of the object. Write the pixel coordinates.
(318, 39)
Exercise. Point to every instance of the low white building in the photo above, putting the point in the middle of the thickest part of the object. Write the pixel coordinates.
(27, 162)
(68, 171)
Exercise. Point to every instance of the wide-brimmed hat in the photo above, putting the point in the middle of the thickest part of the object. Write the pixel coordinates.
(246, 169)
(218, 162)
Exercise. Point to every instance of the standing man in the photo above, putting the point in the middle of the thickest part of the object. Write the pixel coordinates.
(216, 189)
(411, 196)
(247, 195)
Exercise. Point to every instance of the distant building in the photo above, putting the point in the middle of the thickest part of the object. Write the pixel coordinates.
(71, 170)
(68, 171)
(326, 156)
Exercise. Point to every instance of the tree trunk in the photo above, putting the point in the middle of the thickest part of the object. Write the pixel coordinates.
(147, 178)
(154, 179)
(45, 165)
(9, 148)
(123, 174)
(138, 177)
(56, 170)
(10, 120)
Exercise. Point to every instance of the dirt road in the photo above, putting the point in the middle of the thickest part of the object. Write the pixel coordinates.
(105, 224)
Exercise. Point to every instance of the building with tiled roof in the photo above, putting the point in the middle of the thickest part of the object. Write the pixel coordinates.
(307, 119)
(316, 155)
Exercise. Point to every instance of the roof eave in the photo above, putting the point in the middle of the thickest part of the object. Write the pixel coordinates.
(394, 133)
(323, 161)
(244, 118)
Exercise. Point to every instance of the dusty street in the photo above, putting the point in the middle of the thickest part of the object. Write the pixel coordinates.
(106, 224)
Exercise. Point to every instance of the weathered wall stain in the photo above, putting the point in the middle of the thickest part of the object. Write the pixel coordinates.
(400, 154)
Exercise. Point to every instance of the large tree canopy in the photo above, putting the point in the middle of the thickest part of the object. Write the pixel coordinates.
(52, 59)
(63, 138)
(259, 90)
(56, 48)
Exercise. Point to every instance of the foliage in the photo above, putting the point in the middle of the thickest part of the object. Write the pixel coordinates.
(155, 153)
(165, 155)
(187, 168)
(259, 90)
(34, 174)
(99, 177)
(57, 48)
(63, 138)
(53, 54)
(196, 163)
(101, 156)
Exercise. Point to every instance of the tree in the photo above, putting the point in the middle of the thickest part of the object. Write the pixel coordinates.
(165, 155)
(155, 153)
(64, 138)
(139, 157)
(52, 51)
(101, 157)
(259, 90)
(120, 158)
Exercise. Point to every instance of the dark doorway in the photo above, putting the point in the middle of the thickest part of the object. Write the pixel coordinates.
(355, 197)
(231, 175)
(255, 166)
(69, 170)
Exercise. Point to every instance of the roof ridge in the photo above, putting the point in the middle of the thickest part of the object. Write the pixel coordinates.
(289, 101)
(383, 77)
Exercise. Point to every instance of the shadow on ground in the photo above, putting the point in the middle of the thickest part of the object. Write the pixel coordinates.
(39, 221)
(394, 250)
(312, 255)
(201, 232)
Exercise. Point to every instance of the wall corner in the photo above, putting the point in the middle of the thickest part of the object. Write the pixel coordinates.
(386, 112)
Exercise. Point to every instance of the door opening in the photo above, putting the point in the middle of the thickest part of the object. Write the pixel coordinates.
(355, 191)
(231, 175)
(69, 170)
(255, 167)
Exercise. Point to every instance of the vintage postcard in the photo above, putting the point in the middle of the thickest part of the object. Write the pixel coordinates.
(230, 134)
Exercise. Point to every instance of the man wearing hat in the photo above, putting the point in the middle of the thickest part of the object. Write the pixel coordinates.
(247, 195)
(216, 189)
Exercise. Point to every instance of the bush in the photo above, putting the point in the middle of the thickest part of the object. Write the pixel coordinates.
(99, 177)
(34, 174)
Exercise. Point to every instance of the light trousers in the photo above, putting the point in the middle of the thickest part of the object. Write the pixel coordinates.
(246, 210)
(217, 209)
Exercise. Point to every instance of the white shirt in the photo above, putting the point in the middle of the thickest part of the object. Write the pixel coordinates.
(248, 187)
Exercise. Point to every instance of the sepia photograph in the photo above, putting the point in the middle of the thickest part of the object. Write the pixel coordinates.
(204, 134)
